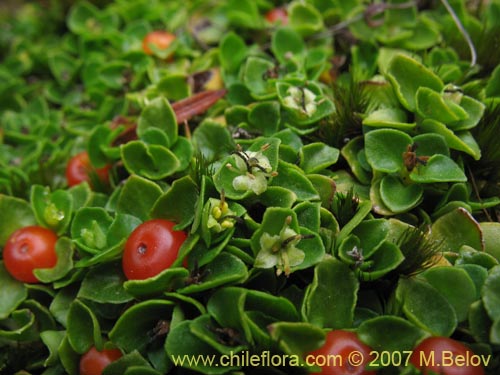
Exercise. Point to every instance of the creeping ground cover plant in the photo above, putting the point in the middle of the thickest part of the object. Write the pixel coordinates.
(249, 187)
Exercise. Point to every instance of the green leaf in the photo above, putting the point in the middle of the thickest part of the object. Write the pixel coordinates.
(15, 214)
(52, 340)
(59, 306)
(404, 335)
(81, 195)
(426, 307)
(155, 136)
(455, 229)
(388, 118)
(277, 196)
(111, 74)
(212, 139)
(461, 294)
(305, 18)
(313, 248)
(232, 51)
(317, 156)
(226, 306)
(384, 149)
(118, 232)
(178, 203)
(371, 233)
(493, 85)
(289, 138)
(12, 293)
(386, 258)
(183, 150)
(238, 93)
(89, 229)
(429, 144)
(478, 274)
(431, 104)
(399, 197)
(407, 76)
(351, 153)
(331, 297)
(63, 67)
(495, 332)
(470, 142)
(174, 87)
(491, 294)
(254, 72)
(104, 284)
(468, 255)
(181, 342)
(462, 141)
(236, 115)
(134, 328)
(351, 252)
(308, 215)
(100, 147)
(137, 197)
(43, 317)
(81, 15)
(491, 233)
(224, 269)
(244, 13)
(84, 330)
(292, 177)
(64, 251)
(170, 278)
(121, 227)
(305, 103)
(265, 117)
(279, 308)
(325, 186)
(186, 248)
(238, 308)
(439, 168)
(158, 114)
(122, 364)
(134, 369)
(206, 329)
(68, 357)
(425, 35)
(151, 161)
(479, 322)
(285, 42)
(474, 110)
(19, 327)
(52, 210)
(297, 338)
(363, 209)
(317, 62)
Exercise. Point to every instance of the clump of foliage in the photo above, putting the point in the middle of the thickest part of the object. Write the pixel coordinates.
(333, 168)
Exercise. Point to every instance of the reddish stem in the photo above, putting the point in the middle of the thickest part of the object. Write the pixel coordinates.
(184, 109)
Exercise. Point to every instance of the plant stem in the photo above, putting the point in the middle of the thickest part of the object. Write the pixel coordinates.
(461, 28)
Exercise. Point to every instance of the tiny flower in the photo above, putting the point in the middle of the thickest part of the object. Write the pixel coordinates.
(256, 183)
(357, 255)
(301, 99)
(254, 169)
(280, 250)
(453, 93)
(52, 215)
(220, 216)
